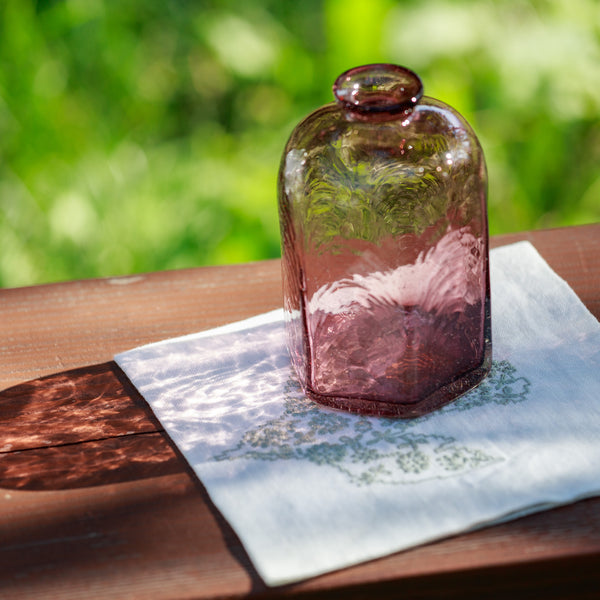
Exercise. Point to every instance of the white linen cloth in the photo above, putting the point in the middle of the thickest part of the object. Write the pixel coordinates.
(309, 489)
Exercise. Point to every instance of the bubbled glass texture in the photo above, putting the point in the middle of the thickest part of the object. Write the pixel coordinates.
(385, 259)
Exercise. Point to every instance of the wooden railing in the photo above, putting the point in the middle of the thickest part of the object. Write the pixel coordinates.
(96, 502)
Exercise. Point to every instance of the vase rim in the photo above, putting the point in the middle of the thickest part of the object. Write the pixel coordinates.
(378, 89)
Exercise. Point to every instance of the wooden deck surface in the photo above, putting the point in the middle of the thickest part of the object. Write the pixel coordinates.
(95, 502)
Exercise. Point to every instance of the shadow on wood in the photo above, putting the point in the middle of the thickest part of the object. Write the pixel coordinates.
(79, 428)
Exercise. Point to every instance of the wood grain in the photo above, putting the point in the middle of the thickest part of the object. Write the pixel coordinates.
(56, 327)
(81, 405)
(96, 502)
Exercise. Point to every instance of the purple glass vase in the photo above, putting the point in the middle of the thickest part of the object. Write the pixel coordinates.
(382, 203)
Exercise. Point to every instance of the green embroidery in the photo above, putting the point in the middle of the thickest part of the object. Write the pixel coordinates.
(376, 450)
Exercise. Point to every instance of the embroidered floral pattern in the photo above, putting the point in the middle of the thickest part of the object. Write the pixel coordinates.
(377, 450)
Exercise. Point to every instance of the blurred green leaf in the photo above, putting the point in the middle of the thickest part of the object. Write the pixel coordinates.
(147, 135)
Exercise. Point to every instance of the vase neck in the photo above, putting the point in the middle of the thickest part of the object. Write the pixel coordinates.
(378, 92)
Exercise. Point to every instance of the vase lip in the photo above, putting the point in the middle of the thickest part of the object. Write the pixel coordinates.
(378, 89)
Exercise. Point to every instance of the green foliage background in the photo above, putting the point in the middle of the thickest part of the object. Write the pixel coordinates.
(146, 134)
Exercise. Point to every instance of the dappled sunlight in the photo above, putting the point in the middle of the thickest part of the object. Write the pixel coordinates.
(94, 463)
(87, 403)
(206, 388)
(80, 428)
(323, 489)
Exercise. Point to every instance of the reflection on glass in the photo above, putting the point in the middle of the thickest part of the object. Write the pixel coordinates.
(382, 200)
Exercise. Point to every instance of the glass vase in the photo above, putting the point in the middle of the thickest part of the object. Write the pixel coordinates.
(382, 204)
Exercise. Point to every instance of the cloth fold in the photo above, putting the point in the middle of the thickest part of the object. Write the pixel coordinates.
(309, 489)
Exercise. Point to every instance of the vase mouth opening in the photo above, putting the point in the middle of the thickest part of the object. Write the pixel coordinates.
(378, 90)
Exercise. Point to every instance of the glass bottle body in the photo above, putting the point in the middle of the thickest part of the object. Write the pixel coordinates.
(385, 258)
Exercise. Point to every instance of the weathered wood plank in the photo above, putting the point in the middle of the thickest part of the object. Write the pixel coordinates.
(91, 463)
(106, 508)
(149, 538)
(80, 405)
(57, 327)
